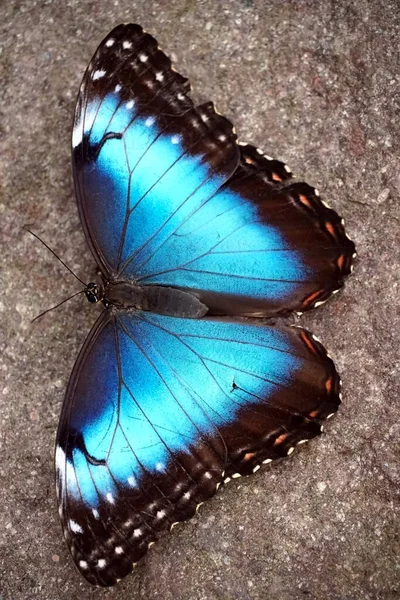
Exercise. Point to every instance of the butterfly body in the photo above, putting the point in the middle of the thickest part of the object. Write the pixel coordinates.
(173, 392)
(125, 295)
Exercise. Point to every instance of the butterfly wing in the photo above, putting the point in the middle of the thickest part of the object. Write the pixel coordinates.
(143, 154)
(167, 196)
(159, 410)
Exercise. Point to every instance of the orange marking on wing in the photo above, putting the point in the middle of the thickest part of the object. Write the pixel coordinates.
(249, 160)
(276, 177)
(311, 298)
(340, 261)
(313, 414)
(281, 439)
(328, 385)
(329, 227)
(249, 455)
(308, 342)
(305, 200)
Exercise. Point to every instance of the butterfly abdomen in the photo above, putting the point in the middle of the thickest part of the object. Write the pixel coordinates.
(159, 299)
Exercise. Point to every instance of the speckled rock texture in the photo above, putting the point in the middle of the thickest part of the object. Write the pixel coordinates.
(313, 83)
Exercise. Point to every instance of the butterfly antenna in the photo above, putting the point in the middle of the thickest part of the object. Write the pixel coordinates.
(57, 305)
(61, 261)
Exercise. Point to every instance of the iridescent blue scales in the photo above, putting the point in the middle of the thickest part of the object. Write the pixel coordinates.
(160, 410)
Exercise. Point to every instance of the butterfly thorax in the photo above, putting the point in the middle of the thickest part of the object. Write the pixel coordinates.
(155, 298)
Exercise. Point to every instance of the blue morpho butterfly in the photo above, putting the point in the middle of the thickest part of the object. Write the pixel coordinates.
(172, 394)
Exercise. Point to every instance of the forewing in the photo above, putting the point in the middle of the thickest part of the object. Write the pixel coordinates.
(144, 157)
(160, 410)
(164, 200)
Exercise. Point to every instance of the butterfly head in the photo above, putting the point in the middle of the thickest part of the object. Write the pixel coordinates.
(94, 292)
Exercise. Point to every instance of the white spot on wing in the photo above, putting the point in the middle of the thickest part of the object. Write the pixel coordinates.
(175, 139)
(132, 481)
(77, 134)
(126, 45)
(320, 303)
(159, 76)
(118, 550)
(118, 88)
(130, 104)
(75, 527)
(98, 74)
(101, 563)
(83, 126)
(60, 460)
(110, 42)
(110, 498)
(83, 564)
(149, 121)
(143, 57)
(160, 514)
(95, 513)
(160, 466)
(137, 532)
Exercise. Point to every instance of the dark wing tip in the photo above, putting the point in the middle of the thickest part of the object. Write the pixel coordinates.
(324, 229)
(285, 421)
(105, 554)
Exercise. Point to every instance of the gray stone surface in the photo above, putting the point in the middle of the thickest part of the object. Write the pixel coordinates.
(315, 83)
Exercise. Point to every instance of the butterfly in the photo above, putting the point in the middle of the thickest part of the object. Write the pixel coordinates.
(174, 392)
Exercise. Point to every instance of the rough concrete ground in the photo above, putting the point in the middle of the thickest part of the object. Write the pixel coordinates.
(316, 84)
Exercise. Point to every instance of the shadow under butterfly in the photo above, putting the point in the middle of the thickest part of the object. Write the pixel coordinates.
(172, 393)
